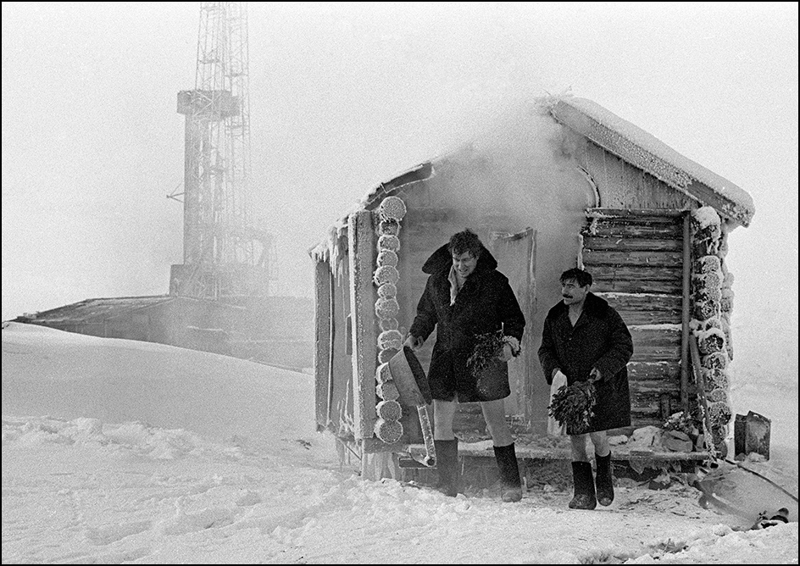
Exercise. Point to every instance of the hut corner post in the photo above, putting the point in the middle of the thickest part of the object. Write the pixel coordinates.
(323, 340)
(361, 246)
(685, 311)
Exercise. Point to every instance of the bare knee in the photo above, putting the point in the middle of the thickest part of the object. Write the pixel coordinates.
(579, 452)
(600, 442)
(443, 415)
(494, 413)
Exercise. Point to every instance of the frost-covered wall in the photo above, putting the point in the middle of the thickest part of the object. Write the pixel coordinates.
(391, 211)
(711, 316)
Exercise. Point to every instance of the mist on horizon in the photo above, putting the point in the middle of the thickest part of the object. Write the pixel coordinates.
(345, 96)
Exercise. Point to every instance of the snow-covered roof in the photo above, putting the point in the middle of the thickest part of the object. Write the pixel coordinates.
(607, 130)
(650, 154)
(97, 309)
(94, 310)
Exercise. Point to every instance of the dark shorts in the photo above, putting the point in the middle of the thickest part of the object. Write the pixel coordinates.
(461, 385)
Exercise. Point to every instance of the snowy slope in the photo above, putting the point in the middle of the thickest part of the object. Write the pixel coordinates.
(117, 451)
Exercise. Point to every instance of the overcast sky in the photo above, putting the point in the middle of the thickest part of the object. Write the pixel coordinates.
(344, 96)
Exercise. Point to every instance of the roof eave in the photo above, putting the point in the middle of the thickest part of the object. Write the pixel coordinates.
(640, 157)
(421, 172)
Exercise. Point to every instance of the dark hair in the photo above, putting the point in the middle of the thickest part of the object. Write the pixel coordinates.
(583, 278)
(465, 241)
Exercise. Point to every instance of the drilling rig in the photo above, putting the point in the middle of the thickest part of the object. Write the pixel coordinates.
(226, 257)
(220, 298)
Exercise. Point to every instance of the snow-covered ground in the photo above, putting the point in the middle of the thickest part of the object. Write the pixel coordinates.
(118, 451)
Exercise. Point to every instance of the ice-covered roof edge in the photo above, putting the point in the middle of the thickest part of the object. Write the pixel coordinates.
(639, 148)
(326, 249)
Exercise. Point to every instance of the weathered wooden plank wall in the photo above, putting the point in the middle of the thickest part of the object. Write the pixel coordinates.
(340, 377)
(623, 185)
(323, 343)
(636, 260)
(361, 255)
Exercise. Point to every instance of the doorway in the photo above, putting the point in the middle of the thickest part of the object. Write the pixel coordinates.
(516, 259)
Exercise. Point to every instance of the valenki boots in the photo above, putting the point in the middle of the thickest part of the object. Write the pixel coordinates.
(511, 487)
(604, 480)
(584, 486)
(447, 465)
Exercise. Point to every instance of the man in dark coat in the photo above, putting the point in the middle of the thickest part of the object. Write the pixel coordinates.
(465, 297)
(584, 338)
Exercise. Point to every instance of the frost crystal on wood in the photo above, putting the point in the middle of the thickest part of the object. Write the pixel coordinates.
(390, 341)
(387, 290)
(387, 257)
(386, 274)
(388, 431)
(712, 297)
(388, 391)
(392, 208)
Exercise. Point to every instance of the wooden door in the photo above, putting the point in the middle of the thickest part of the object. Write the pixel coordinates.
(516, 254)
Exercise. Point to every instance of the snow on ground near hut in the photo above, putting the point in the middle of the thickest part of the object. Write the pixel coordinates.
(118, 451)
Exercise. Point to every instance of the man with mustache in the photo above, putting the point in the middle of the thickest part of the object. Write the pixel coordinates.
(584, 338)
(465, 296)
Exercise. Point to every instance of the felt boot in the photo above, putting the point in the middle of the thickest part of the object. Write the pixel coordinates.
(511, 487)
(584, 486)
(604, 480)
(447, 465)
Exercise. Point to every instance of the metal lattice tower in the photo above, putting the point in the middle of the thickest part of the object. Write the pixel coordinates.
(225, 257)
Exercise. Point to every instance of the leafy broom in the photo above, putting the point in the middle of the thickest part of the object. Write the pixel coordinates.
(487, 349)
(574, 406)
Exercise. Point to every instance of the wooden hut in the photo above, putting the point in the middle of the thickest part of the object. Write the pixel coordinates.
(561, 184)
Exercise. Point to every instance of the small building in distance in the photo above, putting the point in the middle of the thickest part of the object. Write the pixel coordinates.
(272, 330)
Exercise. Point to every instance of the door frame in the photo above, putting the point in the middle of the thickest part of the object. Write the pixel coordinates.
(522, 368)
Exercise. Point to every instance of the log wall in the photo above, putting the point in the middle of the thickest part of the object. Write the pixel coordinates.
(636, 260)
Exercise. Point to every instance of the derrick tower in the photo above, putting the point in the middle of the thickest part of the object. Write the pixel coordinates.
(225, 256)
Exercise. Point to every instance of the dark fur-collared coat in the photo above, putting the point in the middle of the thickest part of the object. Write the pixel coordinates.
(486, 303)
(600, 339)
